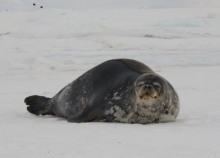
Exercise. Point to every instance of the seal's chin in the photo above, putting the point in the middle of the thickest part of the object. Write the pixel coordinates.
(146, 96)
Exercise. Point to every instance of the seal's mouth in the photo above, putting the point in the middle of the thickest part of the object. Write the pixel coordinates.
(147, 96)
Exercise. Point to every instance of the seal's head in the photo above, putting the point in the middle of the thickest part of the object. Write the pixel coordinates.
(156, 100)
(149, 86)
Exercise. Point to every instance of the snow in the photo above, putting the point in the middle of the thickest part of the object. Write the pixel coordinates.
(27, 5)
(42, 50)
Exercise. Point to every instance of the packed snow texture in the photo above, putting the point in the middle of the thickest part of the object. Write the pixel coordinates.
(42, 50)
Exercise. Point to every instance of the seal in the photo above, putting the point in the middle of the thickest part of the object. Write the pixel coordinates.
(119, 90)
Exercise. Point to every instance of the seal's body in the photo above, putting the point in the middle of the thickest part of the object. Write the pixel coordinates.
(120, 90)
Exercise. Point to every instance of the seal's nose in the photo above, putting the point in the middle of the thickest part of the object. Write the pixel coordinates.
(148, 87)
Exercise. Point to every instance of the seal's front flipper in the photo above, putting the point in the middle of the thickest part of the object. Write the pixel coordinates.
(39, 105)
(87, 115)
(76, 118)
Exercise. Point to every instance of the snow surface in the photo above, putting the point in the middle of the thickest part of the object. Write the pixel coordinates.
(21, 5)
(41, 51)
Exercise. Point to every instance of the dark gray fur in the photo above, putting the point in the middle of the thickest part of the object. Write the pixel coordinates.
(107, 93)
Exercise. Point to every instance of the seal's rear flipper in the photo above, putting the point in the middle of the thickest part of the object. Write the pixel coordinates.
(39, 105)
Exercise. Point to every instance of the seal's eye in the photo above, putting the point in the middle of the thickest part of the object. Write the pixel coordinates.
(157, 86)
(140, 84)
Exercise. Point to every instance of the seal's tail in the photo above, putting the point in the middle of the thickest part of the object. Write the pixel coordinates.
(39, 105)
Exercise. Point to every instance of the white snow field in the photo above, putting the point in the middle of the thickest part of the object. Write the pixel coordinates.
(42, 50)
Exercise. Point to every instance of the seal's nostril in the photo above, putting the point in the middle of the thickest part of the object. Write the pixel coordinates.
(147, 87)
